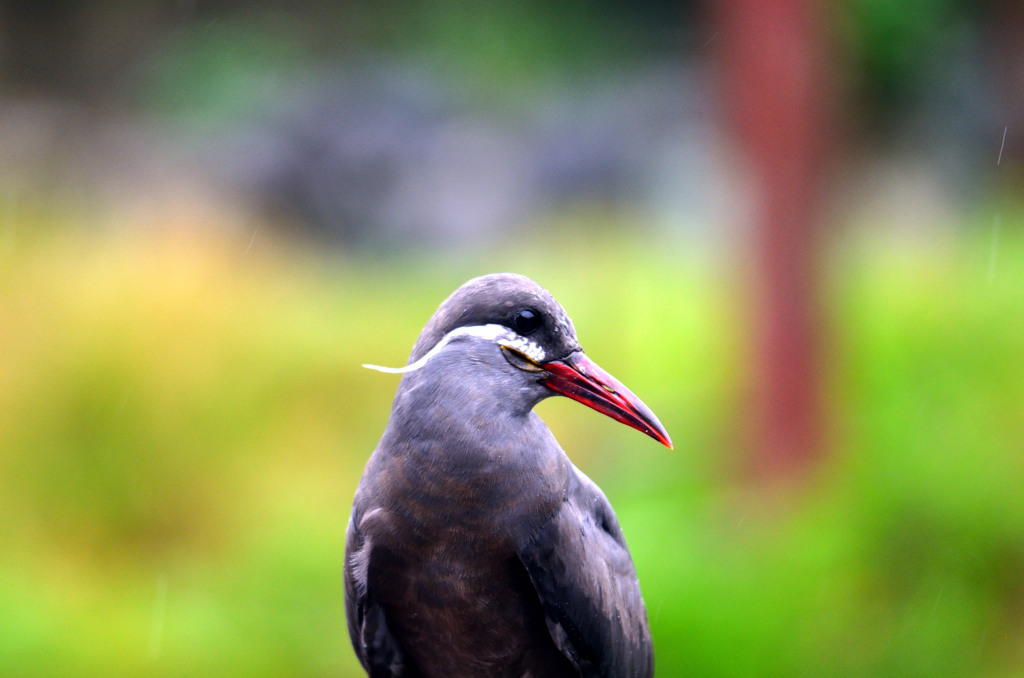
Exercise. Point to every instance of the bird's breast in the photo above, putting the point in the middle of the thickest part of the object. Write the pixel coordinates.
(466, 612)
(459, 491)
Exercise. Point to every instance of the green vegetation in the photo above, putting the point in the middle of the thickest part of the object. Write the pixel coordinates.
(898, 46)
(183, 423)
(226, 69)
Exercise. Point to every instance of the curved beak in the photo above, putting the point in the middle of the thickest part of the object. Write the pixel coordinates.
(580, 378)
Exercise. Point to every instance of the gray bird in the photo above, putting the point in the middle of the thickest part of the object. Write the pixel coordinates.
(475, 547)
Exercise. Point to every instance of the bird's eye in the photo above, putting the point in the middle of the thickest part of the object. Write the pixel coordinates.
(526, 321)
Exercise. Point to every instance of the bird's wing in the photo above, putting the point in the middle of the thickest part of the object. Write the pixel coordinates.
(377, 649)
(584, 575)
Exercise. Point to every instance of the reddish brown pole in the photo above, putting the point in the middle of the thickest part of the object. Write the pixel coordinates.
(775, 85)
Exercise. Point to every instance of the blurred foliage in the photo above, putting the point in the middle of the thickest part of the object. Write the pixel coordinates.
(218, 57)
(219, 64)
(500, 52)
(183, 423)
(221, 69)
(895, 43)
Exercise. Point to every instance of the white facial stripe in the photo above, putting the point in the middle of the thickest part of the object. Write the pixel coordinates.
(497, 333)
(524, 345)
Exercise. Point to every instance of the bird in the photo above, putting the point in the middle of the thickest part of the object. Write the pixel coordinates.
(475, 547)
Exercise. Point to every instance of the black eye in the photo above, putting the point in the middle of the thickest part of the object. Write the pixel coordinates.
(526, 321)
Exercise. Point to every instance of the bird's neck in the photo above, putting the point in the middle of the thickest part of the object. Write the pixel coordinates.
(462, 415)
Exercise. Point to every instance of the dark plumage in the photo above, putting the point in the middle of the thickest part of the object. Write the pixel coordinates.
(475, 547)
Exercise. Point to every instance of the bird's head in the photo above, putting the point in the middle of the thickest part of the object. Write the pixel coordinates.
(534, 335)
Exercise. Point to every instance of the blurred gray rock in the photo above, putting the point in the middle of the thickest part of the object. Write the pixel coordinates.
(389, 159)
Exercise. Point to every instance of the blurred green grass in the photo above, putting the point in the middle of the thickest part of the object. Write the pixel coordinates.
(183, 423)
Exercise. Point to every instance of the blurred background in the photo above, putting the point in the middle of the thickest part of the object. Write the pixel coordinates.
(793, 228)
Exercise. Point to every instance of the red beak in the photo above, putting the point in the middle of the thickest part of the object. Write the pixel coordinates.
(580, 378)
